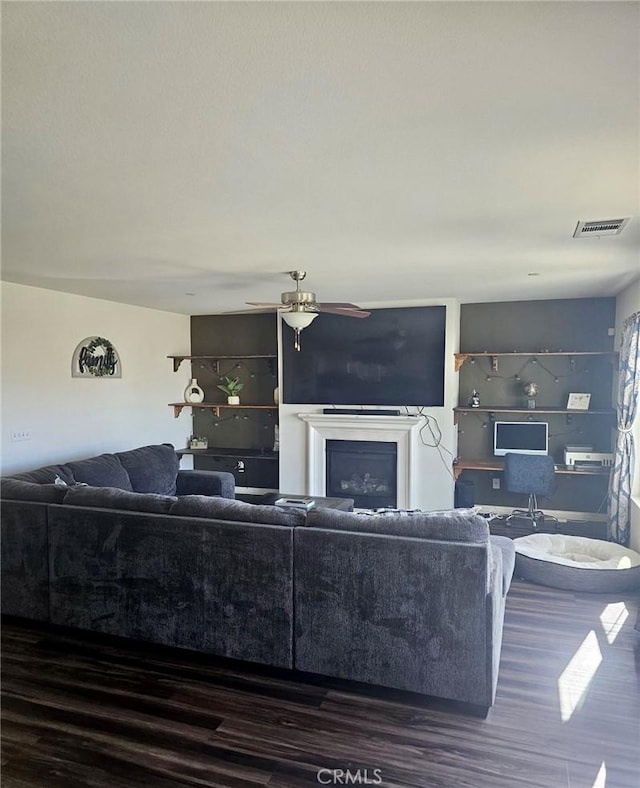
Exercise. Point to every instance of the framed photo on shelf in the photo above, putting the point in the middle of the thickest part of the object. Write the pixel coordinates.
(578, 401)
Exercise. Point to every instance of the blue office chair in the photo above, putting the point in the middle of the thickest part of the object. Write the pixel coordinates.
(532, 474)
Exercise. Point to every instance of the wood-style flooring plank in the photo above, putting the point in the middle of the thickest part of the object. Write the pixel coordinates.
(86, 710)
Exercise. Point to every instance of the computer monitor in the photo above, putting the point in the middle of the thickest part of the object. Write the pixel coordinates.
(520, 437)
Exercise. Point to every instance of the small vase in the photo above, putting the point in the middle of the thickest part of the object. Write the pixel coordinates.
(233, 399)
(276, 395)
(193, 392)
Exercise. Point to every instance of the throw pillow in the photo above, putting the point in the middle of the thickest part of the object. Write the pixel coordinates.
(46, 475)
(151, 469)
(105, 470)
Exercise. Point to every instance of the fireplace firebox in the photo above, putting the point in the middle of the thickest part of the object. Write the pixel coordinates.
(363, 470)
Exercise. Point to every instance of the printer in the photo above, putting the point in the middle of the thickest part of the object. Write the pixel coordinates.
(583, 457)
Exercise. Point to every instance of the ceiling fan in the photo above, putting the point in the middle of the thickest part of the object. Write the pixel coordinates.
(299, 308)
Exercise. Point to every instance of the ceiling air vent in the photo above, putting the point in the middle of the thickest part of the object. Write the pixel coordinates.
(604, 227)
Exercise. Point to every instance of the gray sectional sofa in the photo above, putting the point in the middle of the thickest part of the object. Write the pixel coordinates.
(127, 544)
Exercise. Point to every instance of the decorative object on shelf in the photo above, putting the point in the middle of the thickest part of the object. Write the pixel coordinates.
(232, 388)
(193, 392)
(276, 438)
(198, 442)
(178, 407)
(578, 401)
(299, 308)
(531, 392)
(276, 395)
(474, 399)
(96, 357)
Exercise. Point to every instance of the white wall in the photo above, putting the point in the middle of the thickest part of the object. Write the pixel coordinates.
(628, 302)
(433, 473)
(70, 418)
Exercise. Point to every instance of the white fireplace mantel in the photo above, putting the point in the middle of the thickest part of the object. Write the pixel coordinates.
(401, 430)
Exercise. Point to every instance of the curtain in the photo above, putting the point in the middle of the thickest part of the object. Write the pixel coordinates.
(627, 407)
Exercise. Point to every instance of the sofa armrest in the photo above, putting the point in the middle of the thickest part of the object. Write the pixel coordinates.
(496, 573)
(505, 548)
(206, 483)
(500, 571)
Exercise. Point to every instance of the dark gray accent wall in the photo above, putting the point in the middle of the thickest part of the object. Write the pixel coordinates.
(561, 324)
(228, 335)
(537, 326)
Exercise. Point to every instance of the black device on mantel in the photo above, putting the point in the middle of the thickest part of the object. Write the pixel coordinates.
(362, 412)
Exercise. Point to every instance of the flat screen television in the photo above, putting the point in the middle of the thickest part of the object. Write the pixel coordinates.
(392, 357)
(520, 437)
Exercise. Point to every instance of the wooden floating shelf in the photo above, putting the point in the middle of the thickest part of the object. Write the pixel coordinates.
(242, 454)
(497, 464)
(529, 411)
(177, 360)
(460, 358)
(215, 407)
(539, 353)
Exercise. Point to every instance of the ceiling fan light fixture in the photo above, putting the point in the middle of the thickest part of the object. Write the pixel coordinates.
(299, 308)
(299, 320)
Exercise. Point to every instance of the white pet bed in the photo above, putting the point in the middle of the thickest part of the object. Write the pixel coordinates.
(576, 563)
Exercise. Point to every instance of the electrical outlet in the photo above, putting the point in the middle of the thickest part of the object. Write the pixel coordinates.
(20, 435)
(495, 483)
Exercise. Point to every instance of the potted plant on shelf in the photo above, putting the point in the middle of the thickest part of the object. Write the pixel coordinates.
(232, 388)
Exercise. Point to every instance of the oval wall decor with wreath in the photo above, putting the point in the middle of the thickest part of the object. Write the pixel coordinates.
(96, 357)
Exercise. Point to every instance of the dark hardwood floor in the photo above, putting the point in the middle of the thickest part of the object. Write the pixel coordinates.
(84, 711)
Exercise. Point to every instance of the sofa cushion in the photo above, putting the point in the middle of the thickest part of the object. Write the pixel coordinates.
(449, 526)
(105, 470)
(46, 475)
(227, 509)
(114, 498)
(151, 469)
(18, 490)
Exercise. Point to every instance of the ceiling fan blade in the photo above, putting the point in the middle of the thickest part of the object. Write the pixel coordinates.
(254, 311)
(303, 301)
(337, 305)
(357, 312)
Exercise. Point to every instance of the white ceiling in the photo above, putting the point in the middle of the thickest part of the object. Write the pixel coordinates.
(396, 151)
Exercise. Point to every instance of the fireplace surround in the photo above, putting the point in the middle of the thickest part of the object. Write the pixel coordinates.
(403, 431)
